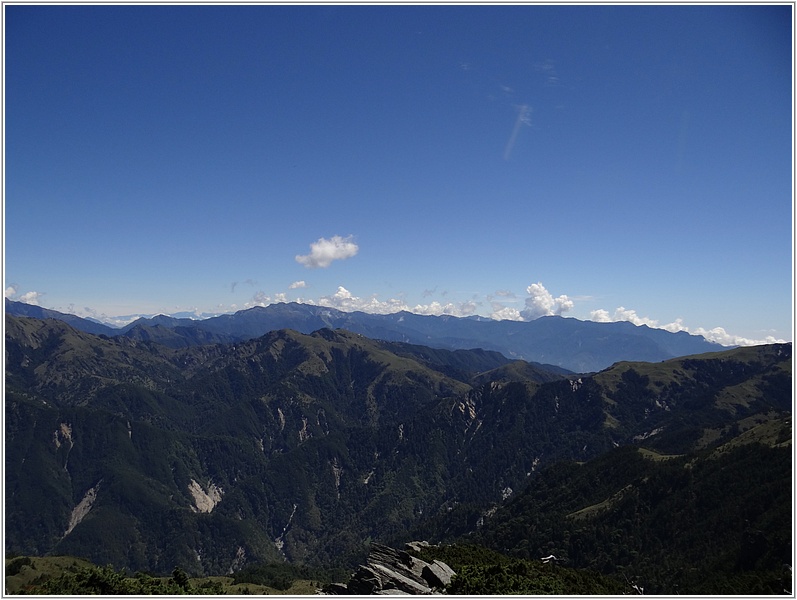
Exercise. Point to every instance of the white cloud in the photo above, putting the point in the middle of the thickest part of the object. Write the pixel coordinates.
(500, 311)
(297, 284)
(626, 314)
(259, 299)
(463, 309)
(675, 326)
(344, 300)
(541, 303)
(717, 334)
(28, 297)
(623, 314)
(324, 251)
(505, 313)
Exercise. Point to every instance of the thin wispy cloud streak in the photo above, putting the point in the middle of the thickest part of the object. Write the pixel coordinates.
(523, 118)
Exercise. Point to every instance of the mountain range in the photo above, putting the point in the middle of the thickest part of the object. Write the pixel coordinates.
(568, 343)
(306, 447)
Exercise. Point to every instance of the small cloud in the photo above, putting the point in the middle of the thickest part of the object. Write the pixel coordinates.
(344, 300)
(601, 316)
(502, 312)
(541, 303)
(296, 285)
(30, 298)
(324, 251)
(259, 299)
(505, 313)
(11, 292)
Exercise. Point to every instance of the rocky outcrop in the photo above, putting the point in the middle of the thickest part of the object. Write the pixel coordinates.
(389, 571)
(82, 509)
(205, 500)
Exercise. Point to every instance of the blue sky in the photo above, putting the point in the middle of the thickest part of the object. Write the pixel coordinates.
(599, 162)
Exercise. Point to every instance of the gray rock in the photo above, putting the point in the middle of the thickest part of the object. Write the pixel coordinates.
(438, 574)
(391, 578)
(398, 561)
(365, 581)
(416, 546)
(392, 572)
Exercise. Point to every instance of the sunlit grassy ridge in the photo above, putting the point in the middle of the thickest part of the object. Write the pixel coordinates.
(67, 575)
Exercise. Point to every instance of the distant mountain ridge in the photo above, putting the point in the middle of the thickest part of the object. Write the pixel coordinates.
(21, 309)
(572, 344)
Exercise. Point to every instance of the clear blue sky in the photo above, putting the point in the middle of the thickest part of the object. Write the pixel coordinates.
(600, 162)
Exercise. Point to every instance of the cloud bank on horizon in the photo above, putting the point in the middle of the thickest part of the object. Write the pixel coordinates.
(539, 303)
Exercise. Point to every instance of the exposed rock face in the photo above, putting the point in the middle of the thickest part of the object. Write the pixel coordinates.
(82, 509)
(389, 571)
(438, 574)
(205, 500)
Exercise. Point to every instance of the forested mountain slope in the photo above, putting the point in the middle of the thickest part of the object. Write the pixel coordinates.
(706, 522)
(306, 447)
